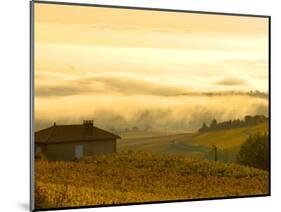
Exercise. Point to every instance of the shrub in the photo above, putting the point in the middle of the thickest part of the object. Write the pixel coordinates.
(255, 152)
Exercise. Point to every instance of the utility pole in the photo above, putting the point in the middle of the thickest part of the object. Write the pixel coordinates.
(215, 152)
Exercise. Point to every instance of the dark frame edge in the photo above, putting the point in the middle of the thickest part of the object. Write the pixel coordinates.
(31, 107)
(269, 101)
(153, 202)
(148, 8)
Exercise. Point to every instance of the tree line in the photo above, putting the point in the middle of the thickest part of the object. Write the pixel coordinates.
(248, 120)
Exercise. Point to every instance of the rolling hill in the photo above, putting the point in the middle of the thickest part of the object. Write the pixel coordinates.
(227, 138)
(196, 145)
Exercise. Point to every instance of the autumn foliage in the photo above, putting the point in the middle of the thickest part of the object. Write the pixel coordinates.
(130, 177)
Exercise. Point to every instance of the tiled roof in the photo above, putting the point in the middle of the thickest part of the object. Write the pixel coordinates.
(72, 133)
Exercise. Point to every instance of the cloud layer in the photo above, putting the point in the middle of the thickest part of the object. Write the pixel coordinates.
(231, 82)
(100, 84)
(147, 112)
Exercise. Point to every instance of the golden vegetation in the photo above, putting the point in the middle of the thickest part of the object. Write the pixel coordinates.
(194, 145)
(129, 177)
(229, 138)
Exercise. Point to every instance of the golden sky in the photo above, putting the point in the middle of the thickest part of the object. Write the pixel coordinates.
(85, 55)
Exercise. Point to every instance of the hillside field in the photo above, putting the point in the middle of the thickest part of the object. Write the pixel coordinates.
(228, 138)
(129, 177)
(194, 145)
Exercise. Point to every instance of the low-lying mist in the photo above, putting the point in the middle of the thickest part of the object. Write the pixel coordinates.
(119, 113)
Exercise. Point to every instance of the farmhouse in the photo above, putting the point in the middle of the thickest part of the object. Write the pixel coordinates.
(66, 142)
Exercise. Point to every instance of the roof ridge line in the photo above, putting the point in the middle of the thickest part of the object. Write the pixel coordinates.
(52, 131)
(107, 132)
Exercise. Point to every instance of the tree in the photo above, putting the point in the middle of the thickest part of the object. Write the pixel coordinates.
(255, 152)
(204, 128)
(135, 128)
(213, 125)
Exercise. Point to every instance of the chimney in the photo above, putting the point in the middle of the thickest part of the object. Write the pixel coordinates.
(88, 123)
(88, 127)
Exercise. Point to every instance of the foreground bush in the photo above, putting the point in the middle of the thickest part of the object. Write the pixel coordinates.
(255, 152)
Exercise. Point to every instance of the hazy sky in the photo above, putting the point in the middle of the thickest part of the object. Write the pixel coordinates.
(90, 59)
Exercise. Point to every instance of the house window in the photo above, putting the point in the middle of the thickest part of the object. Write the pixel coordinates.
(79, 151)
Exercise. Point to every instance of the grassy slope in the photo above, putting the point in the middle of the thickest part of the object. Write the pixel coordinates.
(169, 144)
(228, 138)
(139, 177)
(193, 144)
(154, 133)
